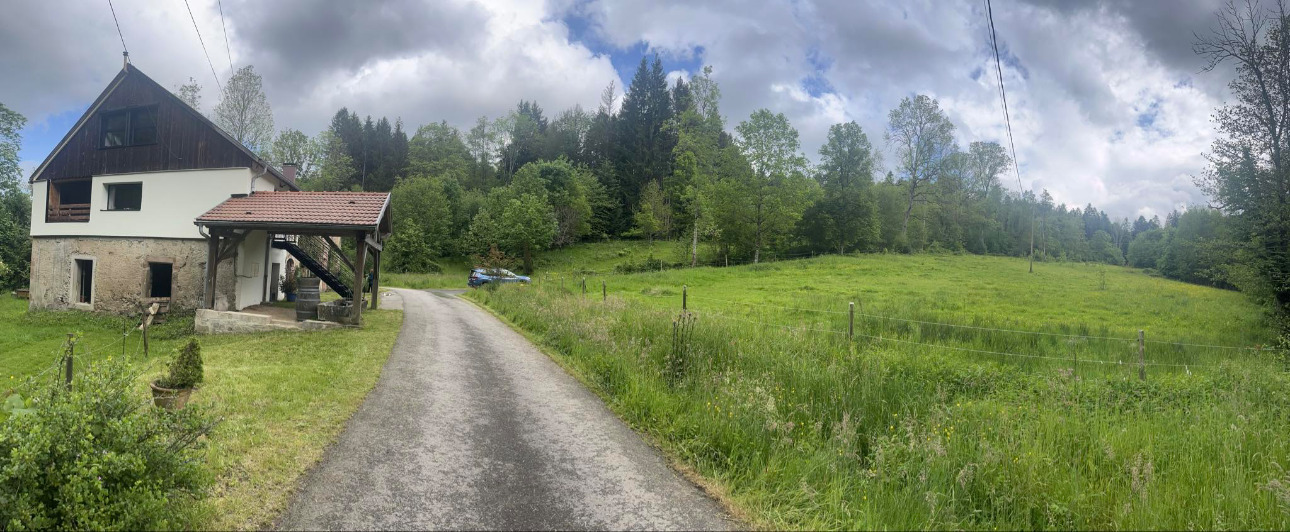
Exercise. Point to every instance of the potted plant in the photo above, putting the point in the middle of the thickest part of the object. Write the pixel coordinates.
(289, 287)
(172, 391)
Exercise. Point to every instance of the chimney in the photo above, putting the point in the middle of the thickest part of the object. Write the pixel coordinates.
(289, 172)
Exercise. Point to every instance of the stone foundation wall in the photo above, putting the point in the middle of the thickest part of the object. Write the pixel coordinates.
(121, 273)
(217, 322)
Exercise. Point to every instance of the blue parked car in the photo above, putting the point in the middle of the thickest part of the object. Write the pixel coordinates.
(482, 276)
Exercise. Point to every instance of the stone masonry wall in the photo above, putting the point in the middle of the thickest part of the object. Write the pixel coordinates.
(121, 272)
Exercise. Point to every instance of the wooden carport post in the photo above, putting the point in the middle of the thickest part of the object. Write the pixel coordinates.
(212, 266)
(359, 262)
(376, 279)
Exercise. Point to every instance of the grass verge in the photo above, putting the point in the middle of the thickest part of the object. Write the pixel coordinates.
(282, 397)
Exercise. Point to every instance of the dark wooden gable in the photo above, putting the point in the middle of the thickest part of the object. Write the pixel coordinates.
(185, 140)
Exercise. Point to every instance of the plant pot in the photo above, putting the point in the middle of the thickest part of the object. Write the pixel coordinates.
(170, 398)
(291, 298)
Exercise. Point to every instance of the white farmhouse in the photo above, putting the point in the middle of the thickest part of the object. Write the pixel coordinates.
(133, 207)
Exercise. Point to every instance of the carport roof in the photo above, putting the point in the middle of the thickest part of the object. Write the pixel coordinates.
(301, 210)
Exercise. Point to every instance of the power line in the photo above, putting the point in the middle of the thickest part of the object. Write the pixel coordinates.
(225, 28)
(1003, 94)
(203, 42)
(118, 28)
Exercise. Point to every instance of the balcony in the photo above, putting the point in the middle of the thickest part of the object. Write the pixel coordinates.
(68, 212)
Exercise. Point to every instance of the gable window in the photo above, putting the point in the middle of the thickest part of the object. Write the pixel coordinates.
(131, 127)
(124, 196)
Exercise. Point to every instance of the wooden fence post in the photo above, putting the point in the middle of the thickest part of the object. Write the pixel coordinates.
(71, 353)
(851, 325)
(685, 297)
(584, 288)
(147, 322)
(1142, 355)
(604, 292)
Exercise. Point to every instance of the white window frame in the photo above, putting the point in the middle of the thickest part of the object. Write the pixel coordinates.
(111, 195)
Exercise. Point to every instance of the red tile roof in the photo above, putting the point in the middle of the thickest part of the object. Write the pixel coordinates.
(350, 209)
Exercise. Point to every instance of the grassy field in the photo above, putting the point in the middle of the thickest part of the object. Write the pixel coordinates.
(582, 258)
(281, 397)
(927, 418)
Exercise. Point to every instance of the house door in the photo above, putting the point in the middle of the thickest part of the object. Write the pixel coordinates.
(273, 281)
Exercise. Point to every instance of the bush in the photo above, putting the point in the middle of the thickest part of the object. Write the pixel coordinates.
(98, 457)
(186, 368)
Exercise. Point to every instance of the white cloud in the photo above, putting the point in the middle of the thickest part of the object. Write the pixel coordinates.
(1078, 76)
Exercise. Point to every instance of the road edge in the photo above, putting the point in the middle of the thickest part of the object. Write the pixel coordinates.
(713, 488)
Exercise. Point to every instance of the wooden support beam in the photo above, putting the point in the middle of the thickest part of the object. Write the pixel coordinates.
(231, 242)
(376, 279)
(212, 266)
(268, 246)
(359, 262)
(371, 242)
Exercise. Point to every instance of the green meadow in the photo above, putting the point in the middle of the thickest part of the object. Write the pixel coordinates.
(964, 393)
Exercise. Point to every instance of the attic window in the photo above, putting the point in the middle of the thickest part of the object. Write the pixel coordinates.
(131, 127)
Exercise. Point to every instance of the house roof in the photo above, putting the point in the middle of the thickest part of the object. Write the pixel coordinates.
(129, 70)
(315, 210)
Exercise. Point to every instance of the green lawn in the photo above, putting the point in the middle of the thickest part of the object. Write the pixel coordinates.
(282, 397)
(942, 424)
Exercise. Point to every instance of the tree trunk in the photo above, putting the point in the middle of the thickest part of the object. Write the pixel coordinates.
(528, 260)
(904, 228)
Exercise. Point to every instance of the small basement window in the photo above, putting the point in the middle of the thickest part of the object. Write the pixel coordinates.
(124, 196)
(83, 280)
(131, 127)
(159, 279)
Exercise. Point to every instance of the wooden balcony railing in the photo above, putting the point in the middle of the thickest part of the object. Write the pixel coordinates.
(68, 212)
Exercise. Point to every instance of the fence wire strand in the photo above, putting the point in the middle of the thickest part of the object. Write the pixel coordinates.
(941, 346)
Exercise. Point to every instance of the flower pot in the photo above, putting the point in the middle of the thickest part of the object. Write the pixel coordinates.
(291, 298)
(168, 398)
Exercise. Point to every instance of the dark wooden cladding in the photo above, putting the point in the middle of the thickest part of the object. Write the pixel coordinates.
(185, 142)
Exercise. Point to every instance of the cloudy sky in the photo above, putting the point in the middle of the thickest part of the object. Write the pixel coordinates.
(1108, 102)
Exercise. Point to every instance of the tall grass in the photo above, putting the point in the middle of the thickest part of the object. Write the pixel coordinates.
(807, 429)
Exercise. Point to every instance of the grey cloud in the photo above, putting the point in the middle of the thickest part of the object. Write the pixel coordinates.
(299, 41)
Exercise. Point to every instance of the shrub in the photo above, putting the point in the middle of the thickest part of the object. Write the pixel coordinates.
(185, 368)
(289, 285)
(97, 457)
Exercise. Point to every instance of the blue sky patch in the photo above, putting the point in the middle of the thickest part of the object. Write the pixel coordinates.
(38, 139)
(583, 30)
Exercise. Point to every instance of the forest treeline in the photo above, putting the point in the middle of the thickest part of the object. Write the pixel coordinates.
(663, 164)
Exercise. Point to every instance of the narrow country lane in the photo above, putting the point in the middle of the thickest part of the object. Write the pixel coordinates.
(472, 427)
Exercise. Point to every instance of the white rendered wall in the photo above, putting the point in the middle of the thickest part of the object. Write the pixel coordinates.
(171, 201)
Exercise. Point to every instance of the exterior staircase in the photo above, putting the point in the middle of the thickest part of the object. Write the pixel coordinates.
(324, 258)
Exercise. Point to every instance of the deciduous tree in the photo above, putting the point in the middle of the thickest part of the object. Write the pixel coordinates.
(243, 111)
(921, 135)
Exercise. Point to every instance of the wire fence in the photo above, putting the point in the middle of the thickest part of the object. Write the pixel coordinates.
(864, 315)
(1089, 349)
(84, 355)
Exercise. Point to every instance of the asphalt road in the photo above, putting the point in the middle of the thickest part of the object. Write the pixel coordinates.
(472, 427)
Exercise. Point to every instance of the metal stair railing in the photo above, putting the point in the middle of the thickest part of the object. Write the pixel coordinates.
(325, 259)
